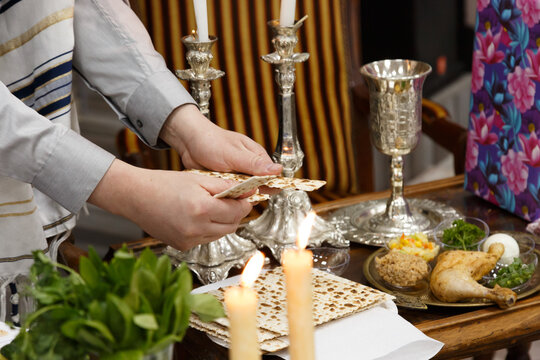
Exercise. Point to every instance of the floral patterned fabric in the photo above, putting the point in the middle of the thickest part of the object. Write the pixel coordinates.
(503, 148)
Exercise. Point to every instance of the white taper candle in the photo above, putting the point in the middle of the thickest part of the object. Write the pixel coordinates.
(201, 16)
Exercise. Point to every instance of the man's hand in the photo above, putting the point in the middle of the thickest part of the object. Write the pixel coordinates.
(175, 207)
(202, 144)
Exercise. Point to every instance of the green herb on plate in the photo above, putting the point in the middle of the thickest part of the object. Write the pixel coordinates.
(123, 309)
(513, 275)
(462, 235)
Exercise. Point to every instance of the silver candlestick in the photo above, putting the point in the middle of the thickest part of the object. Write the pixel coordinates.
(277, 227)
(210, 262)
(199, 56)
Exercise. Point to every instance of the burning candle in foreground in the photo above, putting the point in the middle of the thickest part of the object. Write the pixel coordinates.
(241, 303)
(297, 264)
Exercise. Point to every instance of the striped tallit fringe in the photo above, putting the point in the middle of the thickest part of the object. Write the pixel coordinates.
(14, 304)
(55, 244)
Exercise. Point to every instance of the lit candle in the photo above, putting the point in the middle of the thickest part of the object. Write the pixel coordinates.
(297, 264)
(241, 303)
(201, 18)
(286, 12)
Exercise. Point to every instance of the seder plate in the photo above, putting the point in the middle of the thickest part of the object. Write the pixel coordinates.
(421, 296)
(352, 220)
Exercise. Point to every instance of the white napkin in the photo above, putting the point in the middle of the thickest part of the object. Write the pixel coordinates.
(7, 338)
(378, 333)
(375, 334)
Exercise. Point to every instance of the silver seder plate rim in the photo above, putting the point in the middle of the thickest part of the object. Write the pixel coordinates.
(351, 220)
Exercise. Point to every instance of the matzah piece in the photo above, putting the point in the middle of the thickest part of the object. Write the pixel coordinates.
(222, 175)
(271, 311)
(243, 187)
(277, 182)
(223, 330)
(336, 297)
(258, 197)
(267, 346)
(333, 298)
(295, 183)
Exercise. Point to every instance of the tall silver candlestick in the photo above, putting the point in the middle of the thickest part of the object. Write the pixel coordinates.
(211, 262)
(277, 227)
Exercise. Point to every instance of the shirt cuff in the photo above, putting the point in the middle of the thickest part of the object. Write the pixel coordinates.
(83, 166)
(152, 102)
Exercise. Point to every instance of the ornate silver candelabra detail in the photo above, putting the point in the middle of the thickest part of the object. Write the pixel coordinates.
(213, 261)
(277, 227)
(200, 74)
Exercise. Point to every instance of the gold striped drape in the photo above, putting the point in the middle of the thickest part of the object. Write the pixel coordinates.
(245, 99)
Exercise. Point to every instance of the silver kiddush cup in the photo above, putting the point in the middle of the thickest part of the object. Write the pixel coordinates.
(395, 122)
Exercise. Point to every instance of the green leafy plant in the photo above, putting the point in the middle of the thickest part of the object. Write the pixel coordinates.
(513, 275)
(462, 235)
(119, 310)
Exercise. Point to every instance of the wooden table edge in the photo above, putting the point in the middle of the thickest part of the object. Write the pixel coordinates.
(480, 331)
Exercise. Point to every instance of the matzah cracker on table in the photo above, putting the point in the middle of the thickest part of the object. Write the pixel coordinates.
(333, 298)
(277, 182)
(267, 346)
(223, 330)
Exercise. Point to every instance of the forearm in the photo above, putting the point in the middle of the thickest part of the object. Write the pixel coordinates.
(184, 123)
(118, 186)
(173, 206)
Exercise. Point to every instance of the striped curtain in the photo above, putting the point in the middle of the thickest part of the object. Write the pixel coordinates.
(245, 100)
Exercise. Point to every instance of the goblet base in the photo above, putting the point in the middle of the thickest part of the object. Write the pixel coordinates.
(416, 221)
(354, 221)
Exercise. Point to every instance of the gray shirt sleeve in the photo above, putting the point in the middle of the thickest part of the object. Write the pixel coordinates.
(51, 157)
(115, 55)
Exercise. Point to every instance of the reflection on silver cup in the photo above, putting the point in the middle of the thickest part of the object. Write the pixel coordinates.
(395, 92)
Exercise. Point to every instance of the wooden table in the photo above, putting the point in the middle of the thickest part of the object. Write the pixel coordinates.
(464, 331)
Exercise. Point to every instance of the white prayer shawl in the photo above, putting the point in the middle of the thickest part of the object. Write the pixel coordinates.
(36, 51)
(36, 48)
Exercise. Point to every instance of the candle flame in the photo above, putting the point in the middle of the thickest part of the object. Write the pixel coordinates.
(252, 269)
(305, 229)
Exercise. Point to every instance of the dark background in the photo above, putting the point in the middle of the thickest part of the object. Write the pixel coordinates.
(425, 30)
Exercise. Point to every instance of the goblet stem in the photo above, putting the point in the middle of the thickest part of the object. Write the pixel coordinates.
(397, 207)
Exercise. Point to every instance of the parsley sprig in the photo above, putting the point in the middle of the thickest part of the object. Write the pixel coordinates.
(462, 235)
(119, 310)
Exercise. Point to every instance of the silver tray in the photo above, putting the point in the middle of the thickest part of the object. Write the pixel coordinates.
(352, 220)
